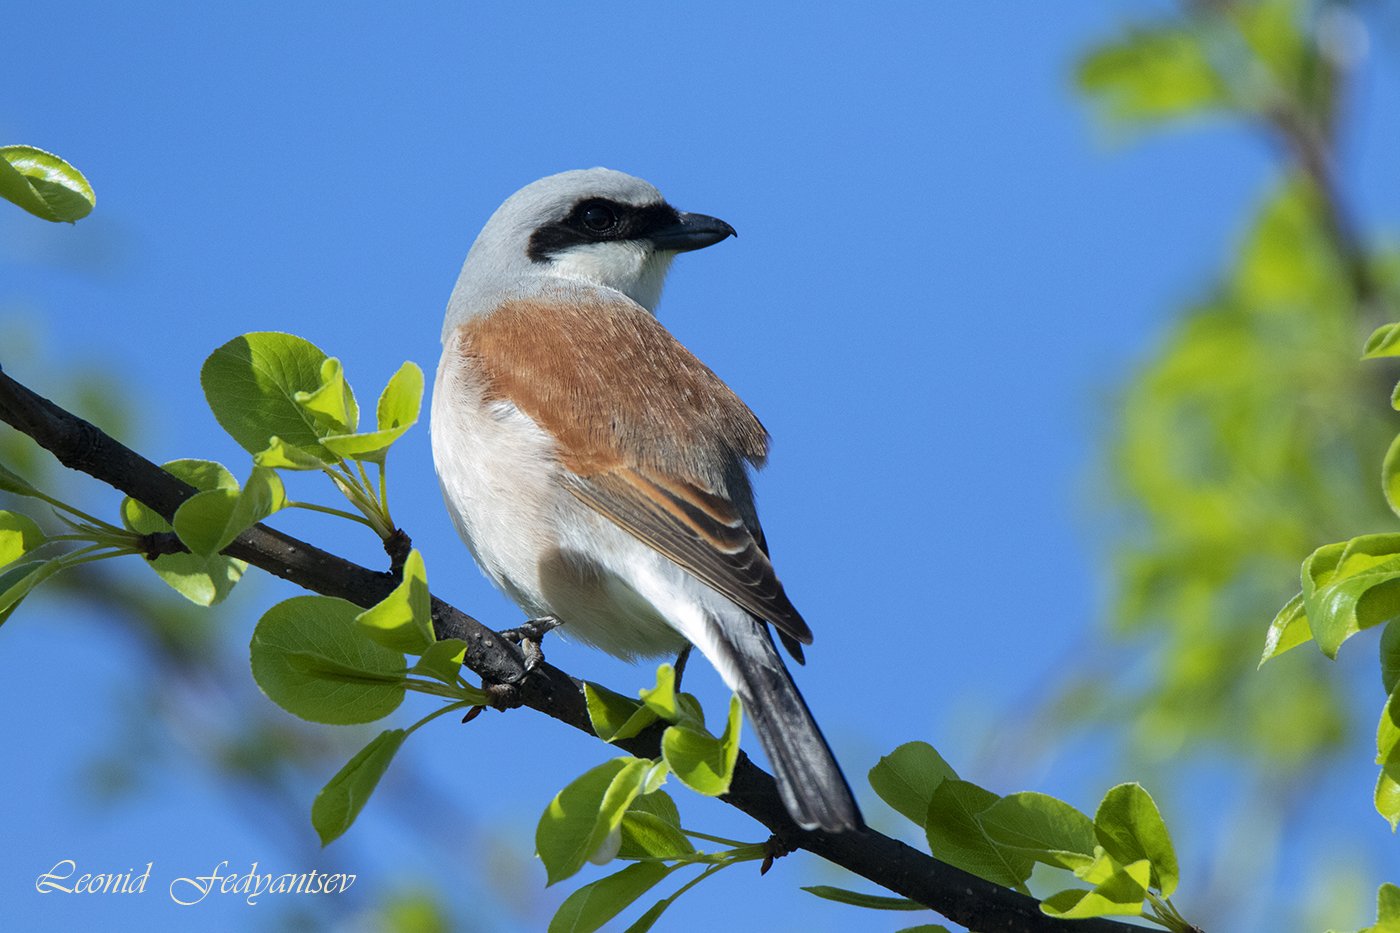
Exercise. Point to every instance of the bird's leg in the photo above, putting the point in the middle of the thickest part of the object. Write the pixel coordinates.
(681, 658)
(528, 636)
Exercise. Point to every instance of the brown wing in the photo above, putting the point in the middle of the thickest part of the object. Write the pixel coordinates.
(653, 439)
(702, 532)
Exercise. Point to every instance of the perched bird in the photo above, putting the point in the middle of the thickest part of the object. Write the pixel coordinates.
(598, 471)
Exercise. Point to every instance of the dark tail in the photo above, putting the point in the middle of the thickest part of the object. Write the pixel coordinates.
(811, 784)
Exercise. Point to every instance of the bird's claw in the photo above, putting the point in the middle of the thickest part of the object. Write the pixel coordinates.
(528, 636)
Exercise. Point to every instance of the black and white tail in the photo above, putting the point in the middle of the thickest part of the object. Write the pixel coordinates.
(811, 784)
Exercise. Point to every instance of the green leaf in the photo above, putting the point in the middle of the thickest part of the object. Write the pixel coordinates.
(1042, 827)
(1384, 341)
(442, 660)
(699, 760)
(210, 521)
(651, 828)
(280, 455)
(1129, 827)
(585, 813)
(1121, 894)
(252, 383)
(403, 620)
(1387, 910)
(312, 659)
(1288, 630)
(44, 185)
(1390, 475)
(661, 699)
(402, 399)
(1152, 74)
(593, 905)
(18, 536)
(19, 580)
(1388, 733)
(1351, 586)
(332, 403)
(202, 580)
(1387, 796)
(907, 777)
(645, 835)
(1390, 656)
(397, 412)
(925, 928)
(346, 794)
(955, 836)
(15, 484)
(868, 901)
(613, 715)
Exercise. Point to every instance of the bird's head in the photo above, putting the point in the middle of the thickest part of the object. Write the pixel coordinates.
(593, 225)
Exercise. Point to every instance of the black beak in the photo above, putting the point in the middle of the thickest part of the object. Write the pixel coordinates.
(691, 231)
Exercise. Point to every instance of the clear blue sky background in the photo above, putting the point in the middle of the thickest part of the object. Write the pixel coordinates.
(942, 268)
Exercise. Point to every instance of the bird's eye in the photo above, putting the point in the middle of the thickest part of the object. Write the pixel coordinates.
(599, 217)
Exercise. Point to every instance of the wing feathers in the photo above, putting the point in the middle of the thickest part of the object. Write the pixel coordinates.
(700, 531)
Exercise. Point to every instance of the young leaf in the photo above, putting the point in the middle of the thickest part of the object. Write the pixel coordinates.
(1390, 474)
(12, 482)
(1120, 894)
(1351, 586)
(584, 814)
(210, 521)
(19, 580)
(1387, 797)
(251, 384)
(1390, 656)
(613, 715)
(955, 836)
(1129, 827)
(311, 659)
(200, 520)
(1388, 733)
(859, 899)
(442, 660)
(18, 536)
(403, 619)
(593, 905)
(646, 835)
(907, 777)
(1152, 74)
(1041, 827)
(201, 580)
(661, 699)
(401, 400)
(346, 794)
(702, 762)
(1288, 630)
(1384, 341)
(45, 185)
(280, 455)
(397, 412)
(332, 403)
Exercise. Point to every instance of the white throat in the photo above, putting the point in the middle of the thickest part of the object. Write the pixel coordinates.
(635, 269)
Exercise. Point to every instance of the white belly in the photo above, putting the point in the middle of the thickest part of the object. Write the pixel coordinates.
(544, 548)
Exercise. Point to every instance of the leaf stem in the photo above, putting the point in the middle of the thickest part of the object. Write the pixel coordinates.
(339, 513)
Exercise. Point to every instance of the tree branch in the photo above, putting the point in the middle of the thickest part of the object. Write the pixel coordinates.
(957, 895)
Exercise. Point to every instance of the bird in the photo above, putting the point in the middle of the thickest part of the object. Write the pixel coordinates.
(599, 472)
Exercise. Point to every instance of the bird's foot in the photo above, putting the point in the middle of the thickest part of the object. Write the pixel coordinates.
(528, 636)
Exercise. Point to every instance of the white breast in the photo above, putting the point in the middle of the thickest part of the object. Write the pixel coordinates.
(549, 552)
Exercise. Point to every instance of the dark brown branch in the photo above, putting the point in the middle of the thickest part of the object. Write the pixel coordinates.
(959, 896)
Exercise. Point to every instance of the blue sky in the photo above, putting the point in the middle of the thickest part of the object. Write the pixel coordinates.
(943, 269)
